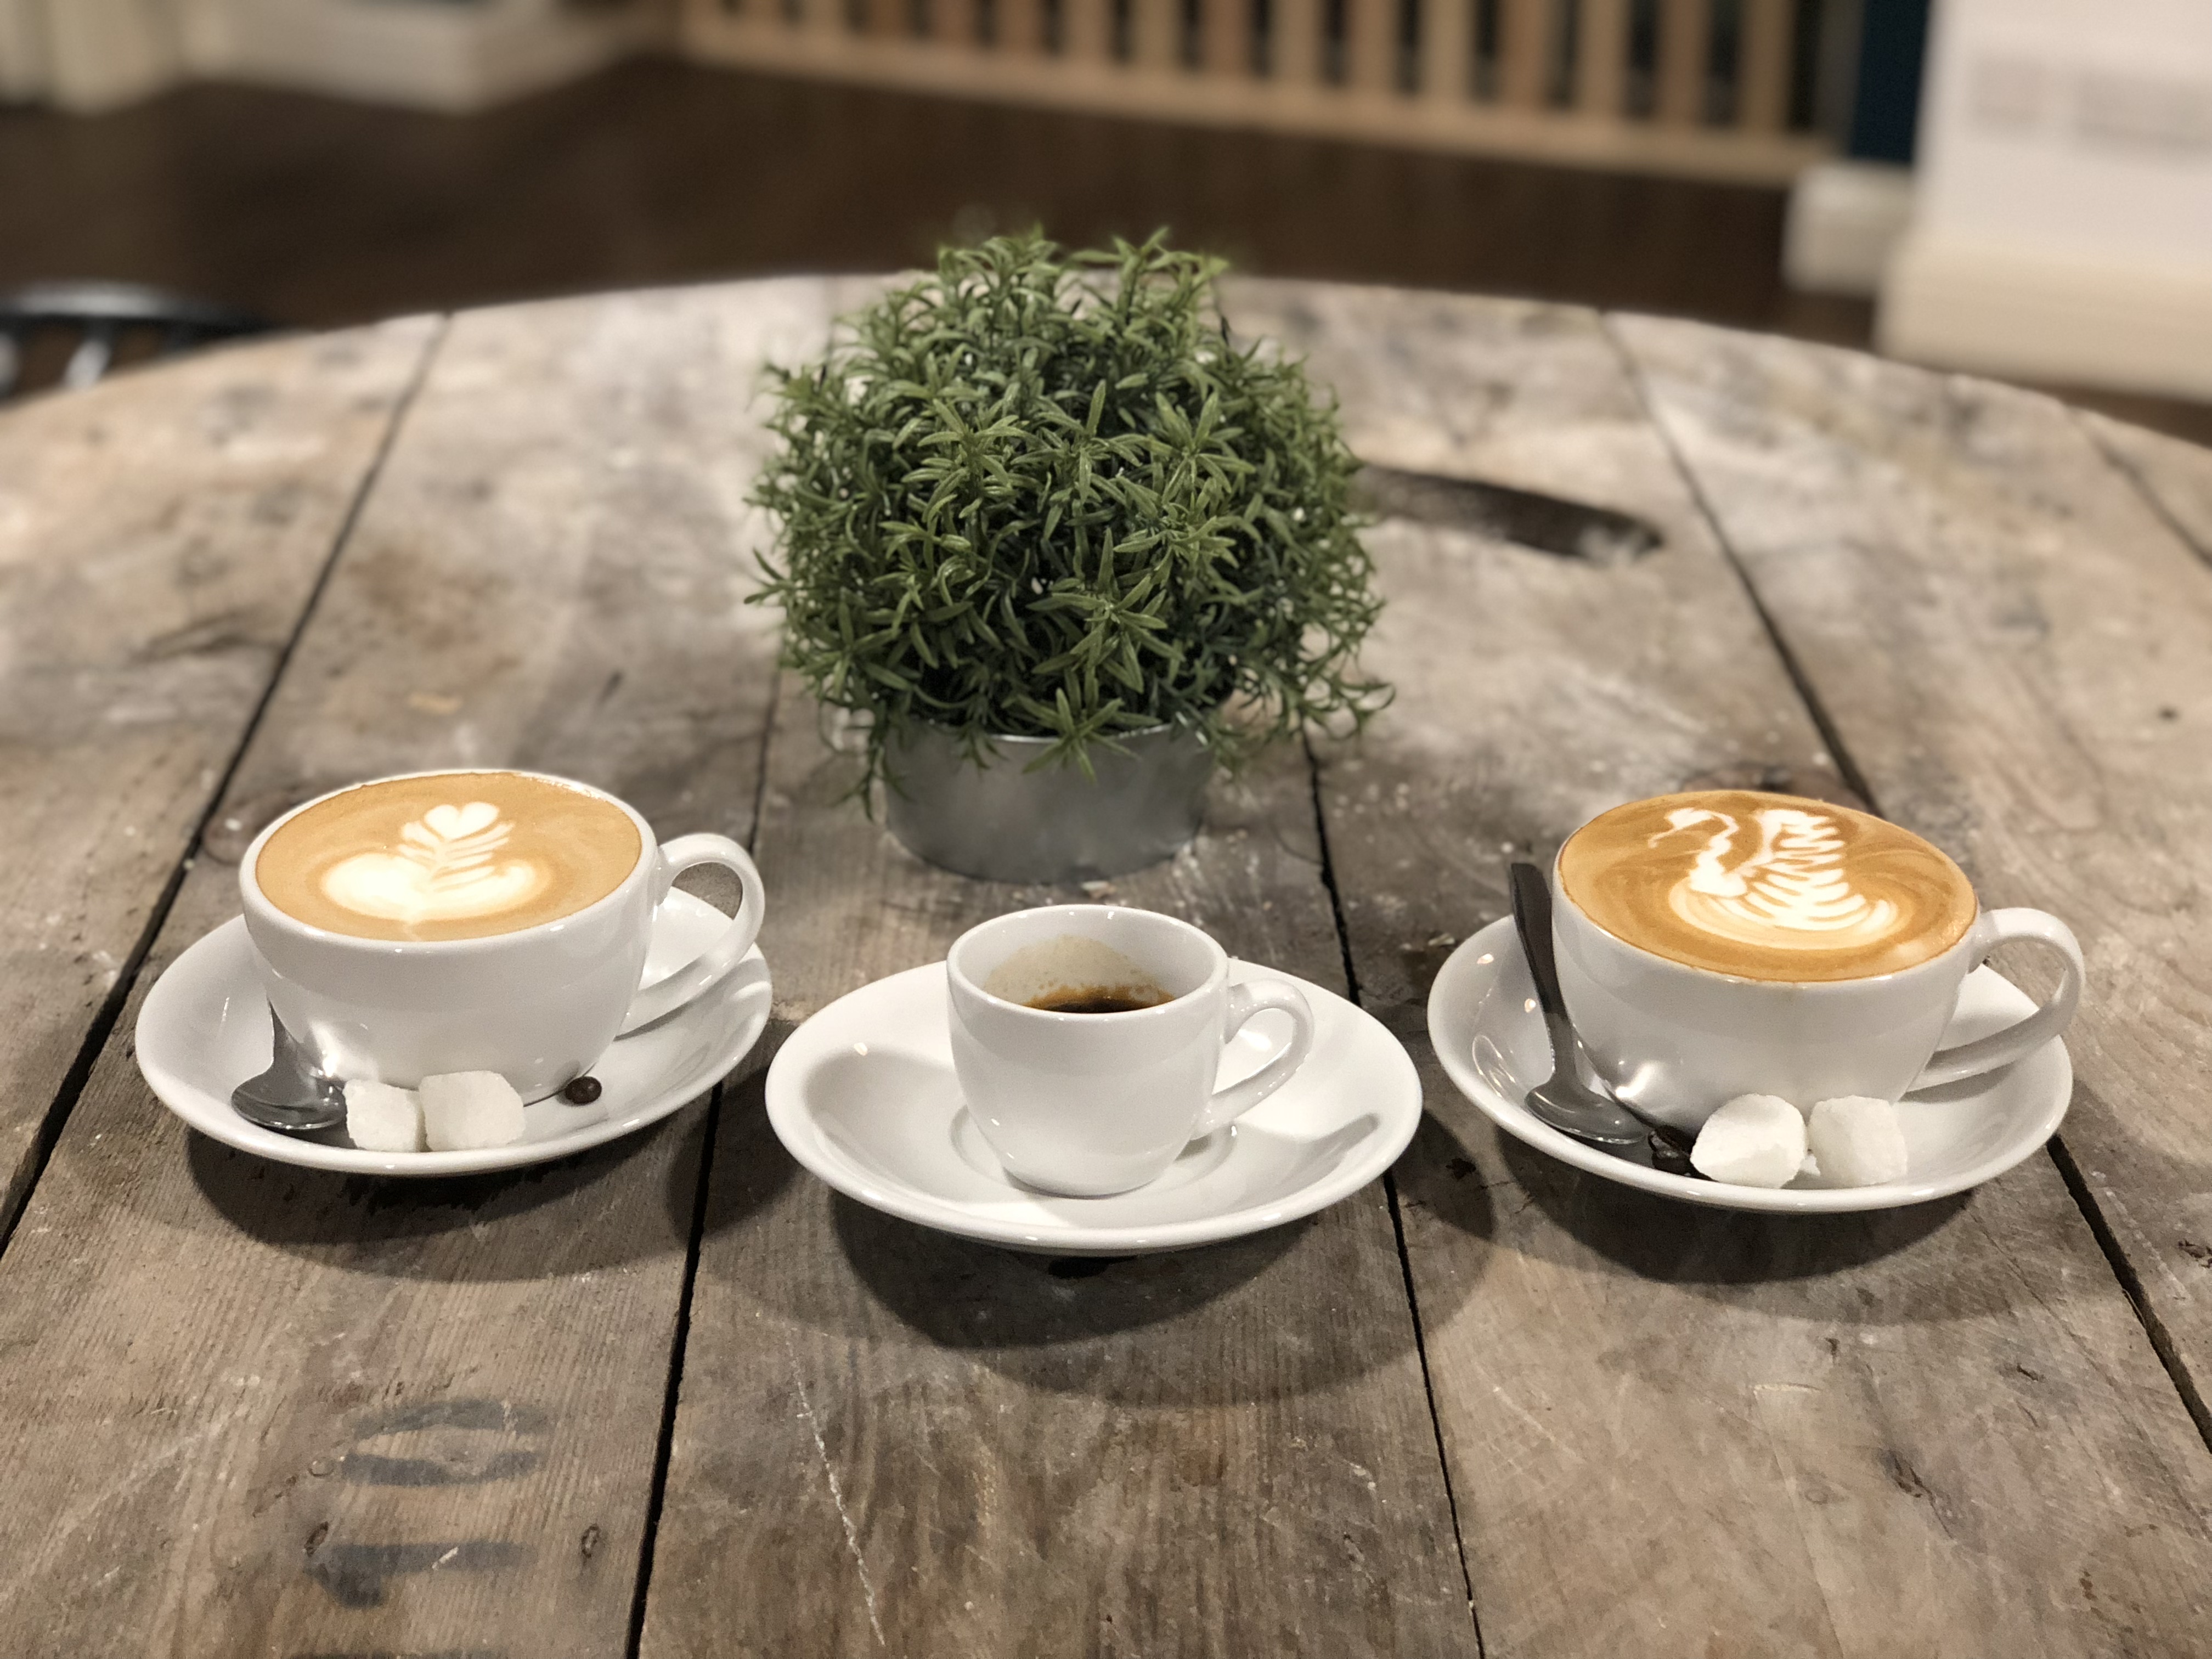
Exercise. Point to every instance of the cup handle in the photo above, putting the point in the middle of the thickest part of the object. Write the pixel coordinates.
(1245, 1000)
(671, 991)
(2002, 1048)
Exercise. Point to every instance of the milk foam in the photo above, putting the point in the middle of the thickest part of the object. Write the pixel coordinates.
(445, 868)
(1766, 886)
(447, 855)
(1788, 893)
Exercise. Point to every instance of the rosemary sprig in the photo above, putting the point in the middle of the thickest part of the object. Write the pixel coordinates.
(1051, 497)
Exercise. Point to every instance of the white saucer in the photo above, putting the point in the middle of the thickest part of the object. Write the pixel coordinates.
(205, 1030)
(864, 1096)
(1491, 1039)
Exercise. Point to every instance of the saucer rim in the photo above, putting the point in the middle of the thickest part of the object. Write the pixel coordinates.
(796, 1128)
(1450, 989)
(212, 1115)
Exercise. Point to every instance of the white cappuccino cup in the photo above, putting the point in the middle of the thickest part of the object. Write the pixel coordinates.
(1678, 1041)
(538, 1004)
(1091, 1103)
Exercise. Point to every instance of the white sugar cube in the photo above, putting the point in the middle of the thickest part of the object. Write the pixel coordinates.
(382, 1119)
(464, 1111)
(1858, 1140)
(1754, 1140)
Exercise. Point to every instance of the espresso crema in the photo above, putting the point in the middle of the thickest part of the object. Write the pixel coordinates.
(1768, 887)
(450, 856)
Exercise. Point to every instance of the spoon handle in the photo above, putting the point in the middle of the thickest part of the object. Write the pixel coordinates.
(1532, 919)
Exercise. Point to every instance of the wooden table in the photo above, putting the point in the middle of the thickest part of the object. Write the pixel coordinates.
(673, 1397)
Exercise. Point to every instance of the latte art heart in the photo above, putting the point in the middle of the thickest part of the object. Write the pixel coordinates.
(448, 855)
(446, 868)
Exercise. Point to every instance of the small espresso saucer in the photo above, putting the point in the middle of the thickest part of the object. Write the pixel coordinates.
(864, 1096)
(1491, 1038)
(205, 1030)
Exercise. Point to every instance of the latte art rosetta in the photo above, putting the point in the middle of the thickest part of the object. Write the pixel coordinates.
(1766, 886)
(447, 855)
(446, 865)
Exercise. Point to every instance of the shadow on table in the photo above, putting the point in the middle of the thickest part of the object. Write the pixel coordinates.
(1257, 1318)
(1801, 1264)
(550, 1220)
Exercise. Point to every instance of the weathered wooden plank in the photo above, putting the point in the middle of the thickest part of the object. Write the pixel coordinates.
(2177, 476)
(1295, 47)
(159, 536)
(1020, 26)
(1524, 52)
(1224, 37)
(1763, 65)
(1156, 33)
(203, 1355)
(1447, 51)
(930, 1446)
(1936, 1431)
(1685, 33)
(1371, 46)
(1602, 58)
(1086, 31)
(2018, 652)
(956, 22)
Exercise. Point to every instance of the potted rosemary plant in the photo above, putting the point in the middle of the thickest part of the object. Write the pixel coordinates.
(1064, 545)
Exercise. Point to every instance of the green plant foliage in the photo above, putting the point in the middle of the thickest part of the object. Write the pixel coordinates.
(1050, 497)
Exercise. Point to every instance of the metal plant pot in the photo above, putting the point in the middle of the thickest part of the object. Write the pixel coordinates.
(1004, 823)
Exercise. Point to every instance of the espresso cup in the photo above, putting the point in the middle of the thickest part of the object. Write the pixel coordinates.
(1088, 1104)
(539, 1003)
(1677, 1040)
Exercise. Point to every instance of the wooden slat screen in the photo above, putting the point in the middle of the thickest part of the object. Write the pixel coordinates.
(1699, 87)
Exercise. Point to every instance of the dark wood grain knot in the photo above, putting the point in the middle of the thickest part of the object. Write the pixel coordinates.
(356, 1574)
(447, 1442)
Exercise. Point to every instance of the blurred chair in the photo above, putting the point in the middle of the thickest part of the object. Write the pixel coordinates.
(103, 318)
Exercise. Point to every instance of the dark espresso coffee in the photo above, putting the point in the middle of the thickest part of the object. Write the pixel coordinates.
(1100, 1000)
(1073, 975)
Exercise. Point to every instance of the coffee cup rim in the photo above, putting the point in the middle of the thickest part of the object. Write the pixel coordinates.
(1217, 972)
(1560, 896)
(259, 903)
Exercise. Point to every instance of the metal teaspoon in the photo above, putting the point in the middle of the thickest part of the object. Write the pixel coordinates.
(1563, 1101)
(292, 1097)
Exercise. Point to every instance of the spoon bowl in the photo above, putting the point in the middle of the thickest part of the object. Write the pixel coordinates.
(293, 1096)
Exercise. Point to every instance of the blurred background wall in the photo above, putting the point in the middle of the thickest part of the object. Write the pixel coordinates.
(1799, 165)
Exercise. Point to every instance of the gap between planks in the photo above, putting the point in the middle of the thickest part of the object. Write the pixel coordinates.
(665, 1448)
(2161, 1339)
(2125, 465)
(56, 1115)
(2099, 1225)
(1390, 1192)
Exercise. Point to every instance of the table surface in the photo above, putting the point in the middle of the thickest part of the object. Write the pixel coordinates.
(675, 1397)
